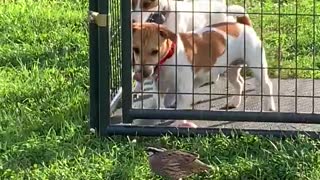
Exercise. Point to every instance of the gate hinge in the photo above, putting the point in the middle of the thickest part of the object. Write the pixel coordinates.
(99, 19)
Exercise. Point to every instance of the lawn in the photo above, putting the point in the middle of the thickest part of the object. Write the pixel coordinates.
(44, 103)
(291, 41)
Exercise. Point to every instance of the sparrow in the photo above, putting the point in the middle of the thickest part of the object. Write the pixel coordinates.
(174, 164)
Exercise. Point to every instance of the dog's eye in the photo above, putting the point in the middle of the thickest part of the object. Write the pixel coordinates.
(146, 4)
(149, 4)
(154, 52)
(136, 50)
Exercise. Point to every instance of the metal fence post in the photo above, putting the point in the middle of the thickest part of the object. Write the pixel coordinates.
(93, 69)
(104, 74)
(126, 60)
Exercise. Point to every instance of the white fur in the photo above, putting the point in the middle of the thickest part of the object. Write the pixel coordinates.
(190, 15)
(248, 41)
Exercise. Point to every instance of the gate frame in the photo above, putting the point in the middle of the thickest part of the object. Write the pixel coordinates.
(100, 99)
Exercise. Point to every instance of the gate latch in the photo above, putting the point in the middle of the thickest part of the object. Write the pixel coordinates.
(99, 19)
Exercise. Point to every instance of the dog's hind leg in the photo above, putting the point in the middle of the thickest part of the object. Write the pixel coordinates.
(235, 78)
(259, 65)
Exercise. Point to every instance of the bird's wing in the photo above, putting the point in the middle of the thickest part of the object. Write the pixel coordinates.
(182, 157)
(191, 161)
(201, 166)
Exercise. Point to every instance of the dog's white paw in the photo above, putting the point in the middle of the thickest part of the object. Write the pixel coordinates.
(271, 107)
(229, 106)
(269, 104)
(234, 103)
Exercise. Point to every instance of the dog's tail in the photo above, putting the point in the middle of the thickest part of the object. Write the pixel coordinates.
(240, 14)
(244, 20)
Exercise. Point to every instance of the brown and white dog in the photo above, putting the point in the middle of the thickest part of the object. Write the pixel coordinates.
(188, 59)
(183, 16)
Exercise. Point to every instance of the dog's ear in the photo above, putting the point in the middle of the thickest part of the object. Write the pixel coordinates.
(166, 33)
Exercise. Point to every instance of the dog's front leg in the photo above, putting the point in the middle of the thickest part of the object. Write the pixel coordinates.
(155, 95)
(184, 90)
(184, 101)
(237, 81)
(137, 89)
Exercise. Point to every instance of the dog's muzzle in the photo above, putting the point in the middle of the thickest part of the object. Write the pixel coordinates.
(145, 73)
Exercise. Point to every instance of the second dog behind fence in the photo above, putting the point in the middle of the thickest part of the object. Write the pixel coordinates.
(183, 16)
(199, 53)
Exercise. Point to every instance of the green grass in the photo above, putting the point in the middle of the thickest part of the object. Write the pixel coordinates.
(44, 105)
(290, 41)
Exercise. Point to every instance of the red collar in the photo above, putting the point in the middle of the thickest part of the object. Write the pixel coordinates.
(164, 59)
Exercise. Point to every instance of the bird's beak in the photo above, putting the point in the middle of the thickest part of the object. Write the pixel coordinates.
(149, 151)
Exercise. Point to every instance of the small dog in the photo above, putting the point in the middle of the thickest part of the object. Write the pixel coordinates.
(183, 16)
(189, 16)
(202, 53)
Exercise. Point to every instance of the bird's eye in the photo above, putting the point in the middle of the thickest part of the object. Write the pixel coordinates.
(154, 52)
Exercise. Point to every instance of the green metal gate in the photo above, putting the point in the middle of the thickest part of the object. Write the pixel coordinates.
(110, 81)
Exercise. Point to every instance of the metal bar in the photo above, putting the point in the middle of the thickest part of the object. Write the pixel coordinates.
(116, 99)
(261, 60)
(249, 13)
(182, 132)
(247, 116)
(126, 60)
(279, 56)
(313, 53)
(296, 58)
(104, 74)
(93, 69)
(112, 47)
(235, 94)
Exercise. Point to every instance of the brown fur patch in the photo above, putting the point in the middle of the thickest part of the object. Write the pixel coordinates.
(244, 20)
(203, 51)
(145, 4)
(231, 29)
(134, 3)
(149, 4)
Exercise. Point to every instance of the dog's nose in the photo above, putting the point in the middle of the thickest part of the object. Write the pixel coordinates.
(133, 21)
(137, 76)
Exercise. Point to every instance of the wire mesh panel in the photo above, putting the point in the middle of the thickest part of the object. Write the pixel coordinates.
(277, 38)
(115, 52)
(239, 60)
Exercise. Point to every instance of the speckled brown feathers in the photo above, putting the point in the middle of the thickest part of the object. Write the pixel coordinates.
(174, 164)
